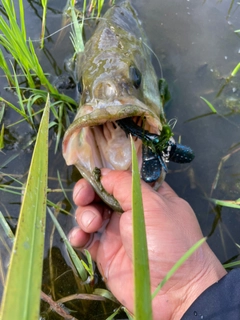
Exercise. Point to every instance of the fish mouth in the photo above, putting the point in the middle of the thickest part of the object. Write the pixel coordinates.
(96, 140)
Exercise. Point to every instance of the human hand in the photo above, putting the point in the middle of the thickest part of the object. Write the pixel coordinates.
(171, 228)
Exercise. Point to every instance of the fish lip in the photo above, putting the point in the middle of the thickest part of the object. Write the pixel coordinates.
(89, 116)
(93, 115)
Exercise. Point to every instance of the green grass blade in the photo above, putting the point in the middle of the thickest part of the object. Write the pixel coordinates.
(142, 289)
(44, 5)
(209, 105)
(22, 18)
(21, 299)
(2, 137)
(4, 66)
(227, 203)
(22, 113)
(77, 30)
(231, 264)
(2, 110)
(235, 70)
(178, 265)
(74, 257)
(6, 227)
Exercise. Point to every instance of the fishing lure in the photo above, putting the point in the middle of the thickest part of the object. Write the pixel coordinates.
(157, 150)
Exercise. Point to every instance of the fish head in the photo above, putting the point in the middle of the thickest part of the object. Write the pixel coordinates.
(116, 81)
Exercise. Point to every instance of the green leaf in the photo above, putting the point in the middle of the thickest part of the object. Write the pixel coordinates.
(21, 299)
(227, 203)
(72, 254)
(178, 265)
(112, 316)
(106, 294)
(235, 70)
(143, 310)
(231, 264)
(6, 227)
(2, 137)
(209, 105)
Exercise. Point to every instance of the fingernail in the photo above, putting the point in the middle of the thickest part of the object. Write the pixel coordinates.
(105, 171)
(87, 218)
(72, 233)
(76, 192)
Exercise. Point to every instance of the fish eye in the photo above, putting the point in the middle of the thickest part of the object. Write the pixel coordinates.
(135, 76)
(80, 86)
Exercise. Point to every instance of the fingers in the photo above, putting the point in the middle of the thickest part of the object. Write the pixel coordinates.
(90, 215)
(115, 183)
(78, 238)
(82, 240)
(83, 193)
(118, 183)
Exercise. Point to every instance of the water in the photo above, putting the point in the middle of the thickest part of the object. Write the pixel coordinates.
(198, 49)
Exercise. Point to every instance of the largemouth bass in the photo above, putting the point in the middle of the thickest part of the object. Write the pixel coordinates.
(117, 81)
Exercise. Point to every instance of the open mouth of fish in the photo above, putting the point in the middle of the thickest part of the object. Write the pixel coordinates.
(97, 138)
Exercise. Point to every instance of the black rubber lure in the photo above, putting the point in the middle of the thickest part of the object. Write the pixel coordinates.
(156, 150)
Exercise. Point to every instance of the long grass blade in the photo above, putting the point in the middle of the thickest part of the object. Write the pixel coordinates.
(227, 203)
(178, 265)
(2, 137)
(77, 32)
(44, 5)
(6, 227)
(142, 288)
(231, 264)
(209, 105)
(21, 299)
(74, 257)
(235, 70)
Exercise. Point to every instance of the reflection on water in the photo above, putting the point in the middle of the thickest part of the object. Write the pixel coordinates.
(198, 48)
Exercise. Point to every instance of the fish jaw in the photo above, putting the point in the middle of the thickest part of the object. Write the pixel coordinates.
(95, 140)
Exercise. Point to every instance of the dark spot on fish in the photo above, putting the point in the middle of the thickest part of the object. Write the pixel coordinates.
(80, 86)
(135, 76)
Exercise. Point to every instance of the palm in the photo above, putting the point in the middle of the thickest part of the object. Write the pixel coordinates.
(171, 228)
(114, 250)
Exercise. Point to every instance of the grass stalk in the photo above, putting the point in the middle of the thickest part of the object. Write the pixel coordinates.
(142, 290)
(44, 5)
(14, 40)
(25, 271)
(211, 107)
(2, 137)
(74, 257)
(177, 265)
(235, 70)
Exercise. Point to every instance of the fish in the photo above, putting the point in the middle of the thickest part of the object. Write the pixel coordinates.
(116, 82)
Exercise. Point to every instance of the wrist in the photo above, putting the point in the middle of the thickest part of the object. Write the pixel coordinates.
(208, 272)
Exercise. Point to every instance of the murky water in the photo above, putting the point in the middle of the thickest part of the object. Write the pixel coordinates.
(198, 48)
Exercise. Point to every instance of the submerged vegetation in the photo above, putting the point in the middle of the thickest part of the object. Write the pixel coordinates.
(38, 101)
